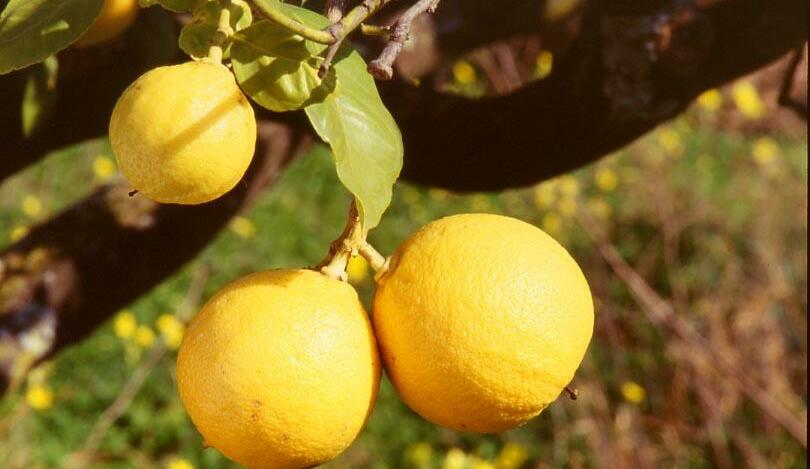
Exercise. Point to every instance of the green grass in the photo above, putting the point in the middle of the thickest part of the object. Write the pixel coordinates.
(720, 236)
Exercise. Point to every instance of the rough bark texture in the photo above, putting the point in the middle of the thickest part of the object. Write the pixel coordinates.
(625, 69)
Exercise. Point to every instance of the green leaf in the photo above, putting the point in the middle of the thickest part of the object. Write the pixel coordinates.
(365, 140)
(39, 95)
(272, 4)
(279, 69)
(195, 37)
(174, 5)
(364, 137)
(31, 30)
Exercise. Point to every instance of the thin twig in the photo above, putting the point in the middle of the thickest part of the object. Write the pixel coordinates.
(382, 67)
(138, 377)
(340, 250)
(221, 35)
(276, 16)
(335, 33)
(331, 51)
(662, 313)
(122, 401)
(377, 261)
(334, 13)
(355, 17)
(344, 26)
(374, 30)
(338, 243)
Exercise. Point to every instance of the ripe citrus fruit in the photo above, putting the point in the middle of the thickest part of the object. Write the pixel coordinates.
(481, 321)
(184, 133)
(280, 369)
(115, 17)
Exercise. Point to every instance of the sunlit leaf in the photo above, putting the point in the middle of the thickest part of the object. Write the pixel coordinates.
(39, 96)
(279, 69)
(195, 37)
(364, 137)
(31, 30)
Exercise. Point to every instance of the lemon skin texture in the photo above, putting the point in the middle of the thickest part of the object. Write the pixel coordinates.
(280, 369)
(183, 134)
(481, 321)
(116, 17)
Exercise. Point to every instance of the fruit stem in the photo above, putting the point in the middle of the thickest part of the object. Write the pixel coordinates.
(336, 267)
(222, 34)
(573, 393)
(377, 261)
(350, 243)
(340, 250)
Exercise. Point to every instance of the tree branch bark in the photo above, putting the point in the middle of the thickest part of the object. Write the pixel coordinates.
(71, 273)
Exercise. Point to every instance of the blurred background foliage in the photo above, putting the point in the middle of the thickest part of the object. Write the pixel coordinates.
(710, 210)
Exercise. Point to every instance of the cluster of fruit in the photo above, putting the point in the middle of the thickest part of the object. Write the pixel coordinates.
(479, 320)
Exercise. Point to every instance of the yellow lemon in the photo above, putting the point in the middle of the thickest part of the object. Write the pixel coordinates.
(184, 133)
(115, 17)
(481, 320)
(280, 369)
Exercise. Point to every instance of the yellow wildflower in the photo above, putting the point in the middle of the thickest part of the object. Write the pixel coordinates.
(670, 141)
(125, 324)
(357, 270)
(544, 64)
(39, 397)
(171, 330)
(765, 151)
(464, 73)
(551, 223)
(606, 179)
(746, 98)
(544, 196)
(569, 186)
(710, 101)
(144, 336)
(455, 459)
(18, 233)
(633, 392)
(478, 463)
(179, 463)
(103, 168)
(243, 227)
(420, 454)
(31, 206)
(512, 456)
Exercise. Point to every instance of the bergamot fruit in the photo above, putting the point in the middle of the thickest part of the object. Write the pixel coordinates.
(280, 369)
(481, 321)
(184, 133)
(115, 17)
